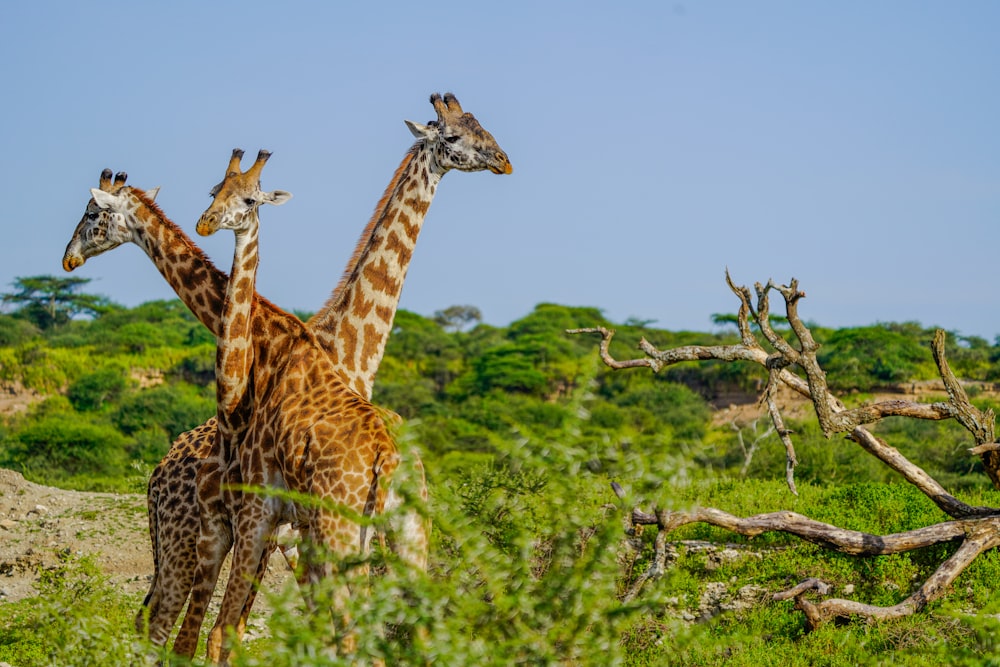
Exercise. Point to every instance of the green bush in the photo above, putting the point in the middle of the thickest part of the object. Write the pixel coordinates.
(16, 330)
(171, 407)
(92, 391)
(864, 358)
(63, 444)
(78, 618)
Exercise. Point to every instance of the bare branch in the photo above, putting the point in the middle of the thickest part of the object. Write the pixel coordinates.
(811, 584)
(779, 424)
(749, 451)
(606, 336)
(743, 316)
(845, 541)
(980, 423)
(985, 535)
(833, 416)
(977, 528)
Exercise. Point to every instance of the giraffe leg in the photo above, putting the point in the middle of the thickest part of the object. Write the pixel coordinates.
(213, 545)
(173, 583)
(282, 539)
(334, 538)
(253, 526)
(151, 602)
(174, 540)
(241, 627)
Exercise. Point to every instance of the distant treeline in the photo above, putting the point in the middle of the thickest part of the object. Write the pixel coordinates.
(119, 386)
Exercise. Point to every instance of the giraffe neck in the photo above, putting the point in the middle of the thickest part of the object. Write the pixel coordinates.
(355, 322)
(234, 352)
(198, 283)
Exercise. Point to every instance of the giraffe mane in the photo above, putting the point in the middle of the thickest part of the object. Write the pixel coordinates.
(174, 227)
(367, 237)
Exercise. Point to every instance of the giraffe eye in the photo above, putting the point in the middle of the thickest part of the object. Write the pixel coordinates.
(91, 216)
(249, 202)
(452, 139)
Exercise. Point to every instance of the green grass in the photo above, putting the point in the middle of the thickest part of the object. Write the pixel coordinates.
(546, 592)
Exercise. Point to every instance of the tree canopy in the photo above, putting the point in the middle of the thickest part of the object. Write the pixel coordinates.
(47, 301)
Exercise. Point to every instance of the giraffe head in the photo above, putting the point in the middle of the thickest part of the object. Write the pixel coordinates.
(104, 225)
(458, 140)
(237, 198)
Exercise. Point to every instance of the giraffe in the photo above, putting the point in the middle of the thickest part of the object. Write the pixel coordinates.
(379, 263)
(308, 432)
(233, 369)
(117, 214)
(355, 322)
(219, 471)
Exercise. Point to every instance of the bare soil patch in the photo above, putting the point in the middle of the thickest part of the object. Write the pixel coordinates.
(40, 523)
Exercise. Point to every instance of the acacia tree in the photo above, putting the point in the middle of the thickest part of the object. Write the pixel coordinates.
(794, 364)
(457, 318)
(47, 301)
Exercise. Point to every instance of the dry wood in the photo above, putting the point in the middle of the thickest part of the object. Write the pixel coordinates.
(976, 528)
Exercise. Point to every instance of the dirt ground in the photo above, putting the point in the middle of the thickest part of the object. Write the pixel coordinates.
(38, 523)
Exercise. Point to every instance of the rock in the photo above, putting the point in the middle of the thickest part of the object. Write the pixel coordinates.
(849, 589)
(717, 558)
(8, 524)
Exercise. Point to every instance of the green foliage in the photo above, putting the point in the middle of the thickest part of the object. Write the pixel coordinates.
(766, 632)
(868, 357)
(514, 580)
(92, 391)
(38, 366)
(16, 330)
(522, 428)
(197, 365)
(457, 318)
(60, 444)
(78, 618)
(171, 408)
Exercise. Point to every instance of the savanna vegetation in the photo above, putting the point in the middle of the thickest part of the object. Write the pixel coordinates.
(523, 430)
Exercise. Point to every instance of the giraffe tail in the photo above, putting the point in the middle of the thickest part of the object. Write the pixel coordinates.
(151, 600)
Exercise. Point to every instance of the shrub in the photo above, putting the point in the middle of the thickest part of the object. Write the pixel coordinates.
(173, 408)
(62, 444)
(78, 618)
(93, 390)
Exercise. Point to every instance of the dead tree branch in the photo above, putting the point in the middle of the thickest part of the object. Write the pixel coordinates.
(977, 529)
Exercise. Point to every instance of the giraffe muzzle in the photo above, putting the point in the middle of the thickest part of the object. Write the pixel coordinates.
(207, 225)
(71, 262)
(505, 168)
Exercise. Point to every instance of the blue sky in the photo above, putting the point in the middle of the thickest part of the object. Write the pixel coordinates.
(854, 146)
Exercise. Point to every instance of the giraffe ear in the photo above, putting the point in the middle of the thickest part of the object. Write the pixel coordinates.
(101, 198)
(276, 197)
(152, 192)
(421, 131)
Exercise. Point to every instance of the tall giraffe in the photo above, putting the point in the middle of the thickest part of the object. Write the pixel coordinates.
(219, 474)
(117, 214)
(380, 260)
(309, 433)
